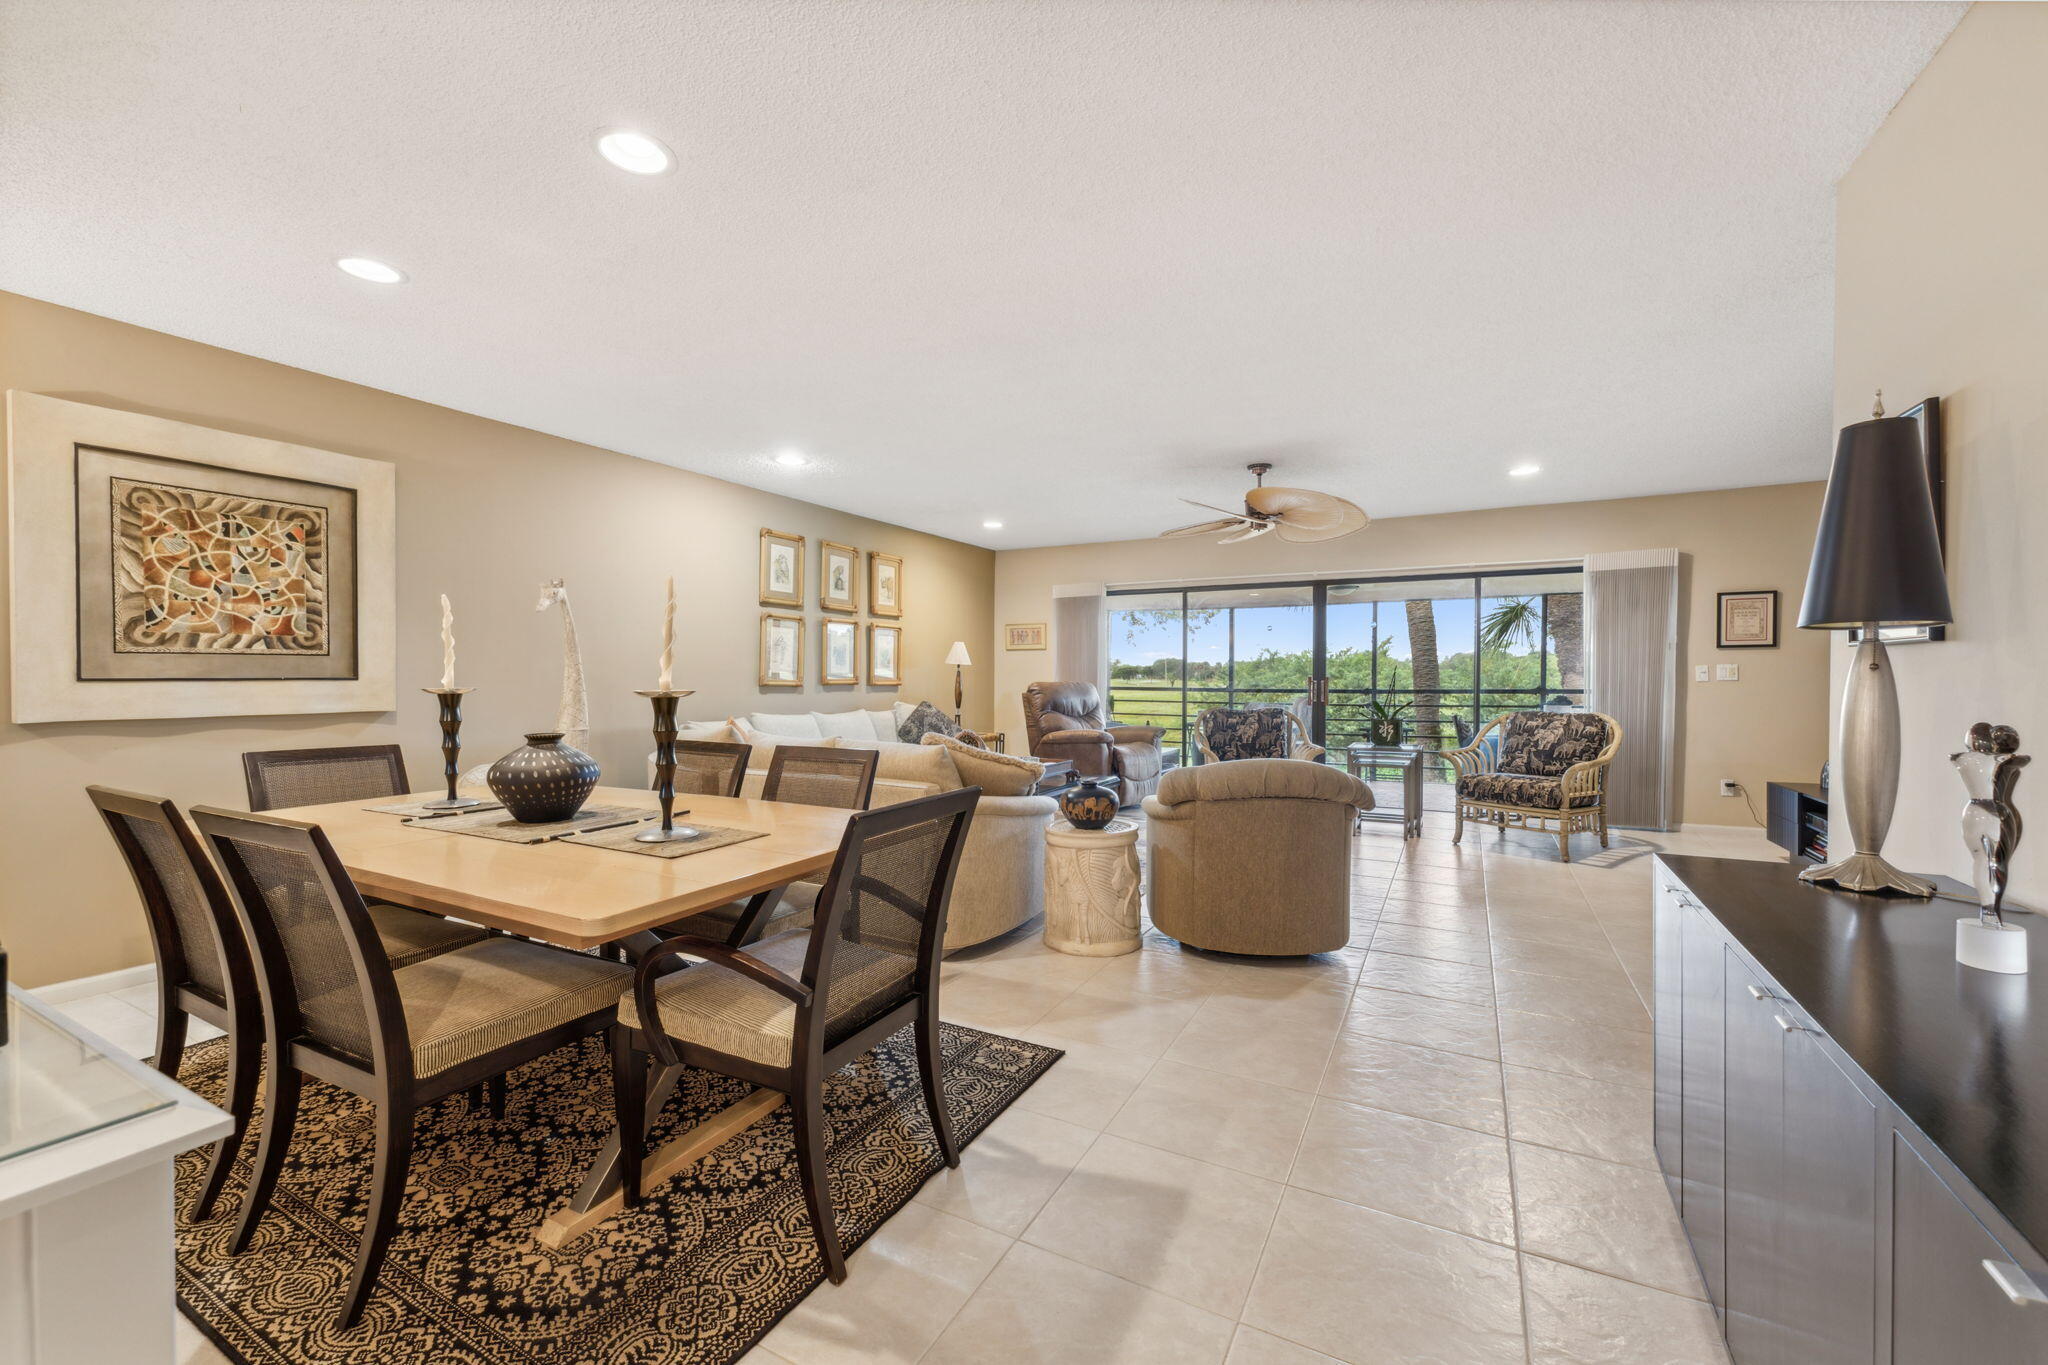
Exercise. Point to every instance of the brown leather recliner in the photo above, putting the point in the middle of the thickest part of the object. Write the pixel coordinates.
(1065, 721)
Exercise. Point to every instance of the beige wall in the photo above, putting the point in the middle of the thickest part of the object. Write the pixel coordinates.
(486, 512)
(1769, 724)
(1941, 287)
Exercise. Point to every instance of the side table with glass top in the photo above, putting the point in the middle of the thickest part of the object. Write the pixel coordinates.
(1363, 760)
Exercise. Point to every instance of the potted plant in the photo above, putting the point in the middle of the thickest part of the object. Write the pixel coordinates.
(1384, 720)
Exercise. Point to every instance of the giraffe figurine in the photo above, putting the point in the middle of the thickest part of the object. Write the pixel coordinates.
(572, 718)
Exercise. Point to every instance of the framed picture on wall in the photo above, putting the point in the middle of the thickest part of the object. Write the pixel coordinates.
(885, 584)
(1029, 635)
(167, 570)
(782, 568)
(1747, 620)
(782, 650)
(840, 656)
(885, 655)
(838, 575)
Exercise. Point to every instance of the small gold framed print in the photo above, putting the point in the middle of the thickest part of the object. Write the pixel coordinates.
(782, 568)
(885, 655)
(782, 650)
(1029, 635)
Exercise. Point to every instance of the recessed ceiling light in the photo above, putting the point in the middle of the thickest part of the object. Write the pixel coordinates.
(376, 272)
(635, 152)
(1523, 471)
(991, 526)
(791, 459)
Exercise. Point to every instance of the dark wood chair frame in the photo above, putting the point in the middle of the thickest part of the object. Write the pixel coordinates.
(238, 1011)
(740, 753)
(811, 1060)
(386, 1078)
(254, 762)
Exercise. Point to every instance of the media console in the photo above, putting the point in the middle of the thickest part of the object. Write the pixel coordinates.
(1853, 1126)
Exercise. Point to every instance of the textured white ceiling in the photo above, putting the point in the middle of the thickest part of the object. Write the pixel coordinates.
(1049, 262)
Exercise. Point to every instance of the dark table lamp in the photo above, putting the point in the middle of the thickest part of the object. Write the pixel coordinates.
(1876, 563)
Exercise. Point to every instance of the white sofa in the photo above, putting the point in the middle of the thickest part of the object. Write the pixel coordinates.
(1001, 881)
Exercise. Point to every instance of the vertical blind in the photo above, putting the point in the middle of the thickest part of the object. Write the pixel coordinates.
(1078, 631)
(1632, 638)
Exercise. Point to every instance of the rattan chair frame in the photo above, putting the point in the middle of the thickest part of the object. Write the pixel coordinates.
(812, 1060)
(386, 1078)
(1588, 779)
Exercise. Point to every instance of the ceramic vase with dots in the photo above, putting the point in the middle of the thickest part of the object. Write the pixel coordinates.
(544, 780)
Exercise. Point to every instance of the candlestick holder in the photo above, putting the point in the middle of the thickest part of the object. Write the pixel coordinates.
(451, 745)
(664, 700)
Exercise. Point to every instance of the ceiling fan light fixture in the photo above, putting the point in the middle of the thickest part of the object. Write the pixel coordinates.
(1300, 515)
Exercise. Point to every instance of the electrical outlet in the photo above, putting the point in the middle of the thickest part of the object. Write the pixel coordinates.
(1699, 674)
(1730, 787)
(1725, 673)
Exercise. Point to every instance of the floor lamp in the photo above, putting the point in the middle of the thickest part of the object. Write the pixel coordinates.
(957, 656)
(1876, 563)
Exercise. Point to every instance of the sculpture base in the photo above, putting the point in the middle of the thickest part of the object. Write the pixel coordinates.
(1991, 947)
(451, 803)
(668, 836)
(1868, 872)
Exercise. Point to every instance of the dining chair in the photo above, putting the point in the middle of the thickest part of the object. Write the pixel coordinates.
(809, 776)
(709, 768)
(788, 1011)
(313, 777)
(335, 1008)
(203, 966)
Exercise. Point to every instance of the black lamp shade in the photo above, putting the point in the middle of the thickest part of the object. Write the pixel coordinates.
(1877, 558)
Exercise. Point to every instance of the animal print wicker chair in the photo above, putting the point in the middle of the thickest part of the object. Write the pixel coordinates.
(1223, 733)
(1545, 770)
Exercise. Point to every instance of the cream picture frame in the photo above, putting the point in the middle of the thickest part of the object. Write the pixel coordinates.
(782, 568)
(782, 650)
(838, 652)
(838, 576)
(885, 655)
(885, 585)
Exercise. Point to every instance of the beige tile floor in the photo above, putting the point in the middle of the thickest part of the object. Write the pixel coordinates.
(1431, 1146)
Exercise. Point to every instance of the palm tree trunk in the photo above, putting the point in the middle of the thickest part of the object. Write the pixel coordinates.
(1423, 665)
(1567, 633)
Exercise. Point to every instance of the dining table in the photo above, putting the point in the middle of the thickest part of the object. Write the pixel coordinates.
(585, 896)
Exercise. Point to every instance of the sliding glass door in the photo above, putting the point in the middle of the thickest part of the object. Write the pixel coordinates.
(1443, 653)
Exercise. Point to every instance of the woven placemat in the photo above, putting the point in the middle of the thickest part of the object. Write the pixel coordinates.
(498, 825)
(714, 836)
(422, 810)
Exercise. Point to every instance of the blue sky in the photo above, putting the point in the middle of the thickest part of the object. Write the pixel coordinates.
(1286, 630)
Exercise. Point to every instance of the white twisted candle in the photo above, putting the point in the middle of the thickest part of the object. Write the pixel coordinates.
(668, 638)
(447, 645)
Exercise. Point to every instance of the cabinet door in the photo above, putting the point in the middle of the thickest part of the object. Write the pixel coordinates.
(1701, 1122)
(1827, 1208)
(1754, 1305)
(1667, 994)
(1946, 1307)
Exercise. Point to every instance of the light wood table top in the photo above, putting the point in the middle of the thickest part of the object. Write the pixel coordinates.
(571, 894)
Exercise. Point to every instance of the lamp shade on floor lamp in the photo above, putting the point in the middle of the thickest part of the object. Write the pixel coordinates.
(957, 656)
(1876, 563)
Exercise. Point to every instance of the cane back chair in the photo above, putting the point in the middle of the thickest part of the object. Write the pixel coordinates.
(709, 768)
(1223, 733)
(788, 1011)
(1545, 770)
(278, 778)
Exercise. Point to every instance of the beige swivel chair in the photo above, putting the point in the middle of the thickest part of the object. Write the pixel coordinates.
(1254, 856)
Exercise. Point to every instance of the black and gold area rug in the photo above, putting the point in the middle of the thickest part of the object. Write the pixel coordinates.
(694, 1276)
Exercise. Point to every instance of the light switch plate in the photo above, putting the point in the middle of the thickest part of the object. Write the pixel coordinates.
(1725, 673)
(1699, 674)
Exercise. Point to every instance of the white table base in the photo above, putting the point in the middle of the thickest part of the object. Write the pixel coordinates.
(1091, 889)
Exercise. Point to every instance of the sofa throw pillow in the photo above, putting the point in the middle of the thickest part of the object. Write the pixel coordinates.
(883, 723)
(789, 724)
(844, 724)
(925, 719)
(996, 774)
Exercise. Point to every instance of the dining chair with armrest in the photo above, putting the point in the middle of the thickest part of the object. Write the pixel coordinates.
(335, 1008)
(843, 779)
(788, 1011)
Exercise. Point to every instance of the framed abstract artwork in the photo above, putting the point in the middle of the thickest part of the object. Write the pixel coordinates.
(163, 570)
(1747, 620)
(840, 655)
(885, 655)
(885, 584)
(1029, 635)
(782, 650)
(782, 568)
(838, 575)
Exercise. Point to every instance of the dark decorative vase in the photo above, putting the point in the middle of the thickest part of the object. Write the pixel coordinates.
(1090, 803)
(544, 781)
(1386, 733)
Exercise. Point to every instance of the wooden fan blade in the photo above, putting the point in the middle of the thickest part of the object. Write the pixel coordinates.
(1257, 530)
(1305, 515)
(1203, 528)
(1212, 507)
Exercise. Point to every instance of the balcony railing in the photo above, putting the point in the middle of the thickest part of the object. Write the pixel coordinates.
(1347, 718)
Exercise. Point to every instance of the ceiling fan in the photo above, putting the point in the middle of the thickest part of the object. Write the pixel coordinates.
(1298, 514)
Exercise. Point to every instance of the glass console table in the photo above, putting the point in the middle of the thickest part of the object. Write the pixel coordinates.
(1362, 760)
(54, 1085)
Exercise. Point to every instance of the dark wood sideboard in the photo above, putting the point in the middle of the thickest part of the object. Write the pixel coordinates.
(1853, 1126)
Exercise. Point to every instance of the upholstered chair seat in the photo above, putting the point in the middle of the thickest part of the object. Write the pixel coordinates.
(410, 936)
(1254, 856)
(1517, 789)
(461, 1005)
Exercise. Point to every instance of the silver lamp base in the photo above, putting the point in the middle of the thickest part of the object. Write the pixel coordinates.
(1868, 776)
(1868, 872)
(658, 835)
(451, 803)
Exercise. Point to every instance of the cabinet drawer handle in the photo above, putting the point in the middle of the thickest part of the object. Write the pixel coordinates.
(1759, 993)
(2014, 1283)
(1787, 1025)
